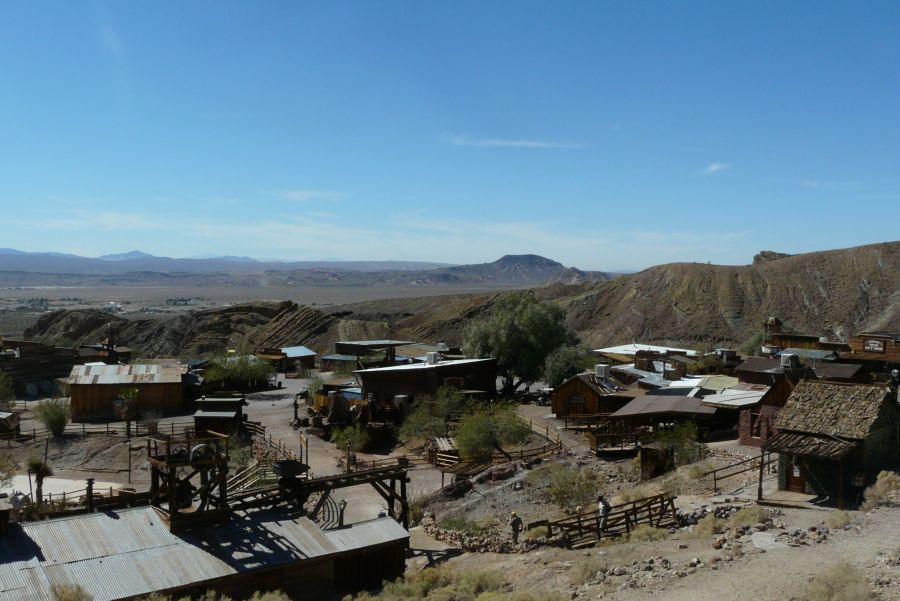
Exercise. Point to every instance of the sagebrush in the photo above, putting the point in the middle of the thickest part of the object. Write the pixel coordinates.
(875, 495)
(840, 582)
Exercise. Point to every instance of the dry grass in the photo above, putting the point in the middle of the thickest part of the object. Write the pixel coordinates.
(838, 519)
(748, 516)
(586, 570)
(69, 592)
(840, 582)
(538, 532)
(635, 493)
(696, 470)
(646, 532)
(707, 527)
(875, 495)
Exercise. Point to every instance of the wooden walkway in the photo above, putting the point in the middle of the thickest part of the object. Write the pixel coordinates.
(582, 530)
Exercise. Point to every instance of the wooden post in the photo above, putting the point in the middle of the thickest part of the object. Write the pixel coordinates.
(762, 462)
(90, 495)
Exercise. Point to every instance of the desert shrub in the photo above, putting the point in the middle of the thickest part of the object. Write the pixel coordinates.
(357, 435)
(415, 507)
(838, 519)
(463, 525)
(634, 493)
(886, 483)
(431, 415)
(240, 453)
(69, 592)
(538, 532)
(840, 582)
(696, 470)
(483, 431)
(586, 570)
(7, 389)
(646, 532)
(748, 516)
(269, 596)
(565, 486)
(706, 527)
(8, 468)
(54, 414)
(438, 583)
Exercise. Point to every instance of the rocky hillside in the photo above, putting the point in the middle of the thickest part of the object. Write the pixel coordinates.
(834, 293)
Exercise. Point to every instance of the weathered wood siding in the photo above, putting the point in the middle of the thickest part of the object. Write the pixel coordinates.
(89, 400)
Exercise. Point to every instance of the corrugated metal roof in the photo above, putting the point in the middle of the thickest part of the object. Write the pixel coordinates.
(632, 349)
(422, 366)
(126, 374)
(294, 352)
(131, 552)
(652, 404)
(737, 397)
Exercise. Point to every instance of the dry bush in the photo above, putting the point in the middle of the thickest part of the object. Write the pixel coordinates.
(565, 486)
(748, 516)
(634, 493)
(706, 527)
(538, 532)
(69, 592)
(646, 532)
(840, 582)
(269, 596)
(838, 519)
(54, 414)
(442, 582)
(586, 569)
(875, 495)
(696, 470)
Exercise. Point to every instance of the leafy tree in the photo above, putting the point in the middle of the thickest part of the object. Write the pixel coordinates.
(357, 435)
(431, 415)
(243, 371)
(40, 470)
(520, 332)
(564, 362)
(8, 467)
(54, 414)
(483, 431)
(7, 388)
(682, 439)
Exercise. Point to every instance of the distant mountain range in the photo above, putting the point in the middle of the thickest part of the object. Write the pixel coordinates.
(137, 261)
(137, 268)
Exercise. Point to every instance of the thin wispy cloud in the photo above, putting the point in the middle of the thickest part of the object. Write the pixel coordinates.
(109, 35)
(309, 195)
(464, 140)
(832, 185)
(714, 168)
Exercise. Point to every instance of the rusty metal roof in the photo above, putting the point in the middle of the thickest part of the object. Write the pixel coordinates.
(653, 404)
(126, 374)
(131, 552)
(808, 445)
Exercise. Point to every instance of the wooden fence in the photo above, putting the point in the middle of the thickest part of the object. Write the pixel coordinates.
(741, 467)
(584, 529)
(118, 429)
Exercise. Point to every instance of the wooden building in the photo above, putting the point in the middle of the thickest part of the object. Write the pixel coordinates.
(876, 346)
(33, 366)
(93, 388)
(383, 385)
(834, 438)
(757, 421)
(290, 358)
(587, 394)
(219, 414)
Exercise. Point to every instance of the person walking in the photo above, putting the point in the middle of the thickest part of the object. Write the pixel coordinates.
(515, 524)
(603, 509)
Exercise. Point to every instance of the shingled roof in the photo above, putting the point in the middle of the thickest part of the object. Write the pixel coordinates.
(849, 411)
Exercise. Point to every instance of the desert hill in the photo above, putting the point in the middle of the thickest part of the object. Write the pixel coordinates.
(834, 293)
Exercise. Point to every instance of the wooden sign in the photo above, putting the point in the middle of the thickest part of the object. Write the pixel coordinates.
(872, 345)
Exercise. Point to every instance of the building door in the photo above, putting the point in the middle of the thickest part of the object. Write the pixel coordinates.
(796, 476)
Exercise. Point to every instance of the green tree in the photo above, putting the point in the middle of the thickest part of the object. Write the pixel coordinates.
(243, 371)
(431, 415)
(54, 414)
(483, 431)
(8, 467)
(7, 388)
(682, 439)
(40, 470)
(519, 332)
(357, 435)
(564, 362)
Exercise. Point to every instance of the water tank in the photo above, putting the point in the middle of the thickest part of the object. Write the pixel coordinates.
(601, 370)
(790, 361)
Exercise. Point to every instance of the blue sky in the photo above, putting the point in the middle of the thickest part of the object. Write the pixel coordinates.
(604, 135)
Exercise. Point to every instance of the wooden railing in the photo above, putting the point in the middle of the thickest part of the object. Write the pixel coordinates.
(118, 429)
(657, 511)
(741, 467)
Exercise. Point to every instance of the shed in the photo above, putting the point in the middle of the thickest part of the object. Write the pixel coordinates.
(588, 395)
(93, 388)
(834, 438)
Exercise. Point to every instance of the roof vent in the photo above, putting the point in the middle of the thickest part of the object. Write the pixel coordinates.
(790, 361)
(601, 370)
(431, 357)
